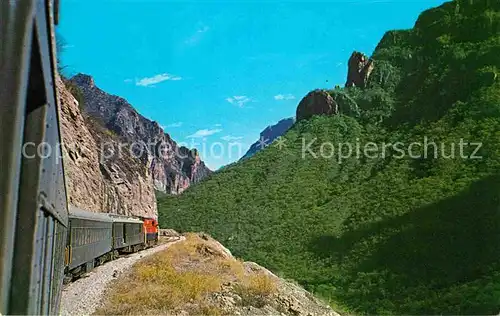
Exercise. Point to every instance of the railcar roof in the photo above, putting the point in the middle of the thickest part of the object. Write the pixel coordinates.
(123, 219)
(75, 212)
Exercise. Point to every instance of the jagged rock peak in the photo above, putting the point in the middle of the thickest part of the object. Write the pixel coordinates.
(173, 169)
(83, 80)
(268, 135)
(282, 124)
(317, 102)
(95, 181)
(360, 69)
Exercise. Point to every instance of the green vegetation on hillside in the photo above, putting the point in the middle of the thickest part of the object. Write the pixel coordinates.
(385, 234)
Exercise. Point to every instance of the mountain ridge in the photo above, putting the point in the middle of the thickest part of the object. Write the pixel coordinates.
(174, 168)
(380, 234)
(268, 135)
(95, 181)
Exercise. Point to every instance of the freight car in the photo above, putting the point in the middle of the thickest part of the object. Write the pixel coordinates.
(95, 238)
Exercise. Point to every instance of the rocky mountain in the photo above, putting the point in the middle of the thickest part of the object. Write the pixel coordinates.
(268, 135)
(97, 180)
(173, 168)
(321, 102)
(360, 69)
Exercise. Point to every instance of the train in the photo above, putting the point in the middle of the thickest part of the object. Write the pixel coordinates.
(94, 238)
(43, 239)
(33, 201)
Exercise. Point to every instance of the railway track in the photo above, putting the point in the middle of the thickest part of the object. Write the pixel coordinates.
(162, 241)
(83, 296)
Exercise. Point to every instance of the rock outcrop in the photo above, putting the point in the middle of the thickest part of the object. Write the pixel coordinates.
(224, 285)
(96, 180)
(173, 168)
(269, 134)
(287, 298)
(321, 102)
(317, 102)
(360, 68)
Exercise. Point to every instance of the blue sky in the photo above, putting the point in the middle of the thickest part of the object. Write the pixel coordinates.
(221, 71)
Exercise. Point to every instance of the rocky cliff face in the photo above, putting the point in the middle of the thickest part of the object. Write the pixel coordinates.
(98, 180)
(269, 134)
(360, 69)
(173, 168)
(322, 102)
(317, 102)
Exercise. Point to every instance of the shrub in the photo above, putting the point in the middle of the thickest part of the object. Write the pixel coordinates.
(256, 290)
(77, 93)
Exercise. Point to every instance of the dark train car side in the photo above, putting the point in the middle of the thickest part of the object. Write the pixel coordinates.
(33, 202)
(90, 240)
(95, 238)
(128, 234)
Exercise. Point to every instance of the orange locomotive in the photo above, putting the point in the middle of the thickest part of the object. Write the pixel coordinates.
(151, 231)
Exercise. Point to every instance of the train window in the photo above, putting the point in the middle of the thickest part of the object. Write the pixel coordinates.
(124, 233)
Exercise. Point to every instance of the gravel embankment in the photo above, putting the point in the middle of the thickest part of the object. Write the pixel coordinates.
(83, 296)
